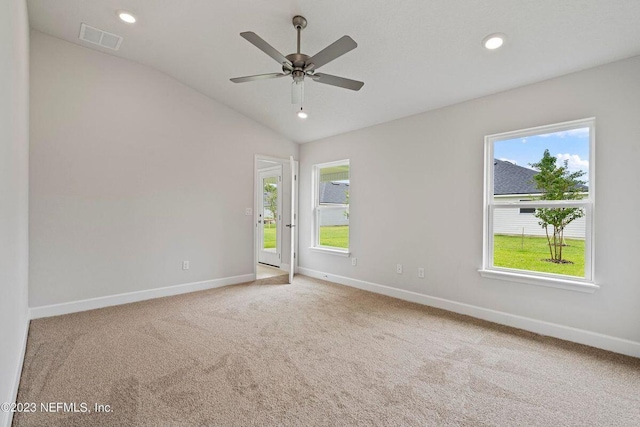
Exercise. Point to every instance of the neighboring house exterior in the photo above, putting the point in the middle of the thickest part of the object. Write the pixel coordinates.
(515, 183)
(334, 193)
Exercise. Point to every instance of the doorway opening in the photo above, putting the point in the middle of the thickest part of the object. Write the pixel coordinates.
(275, 210)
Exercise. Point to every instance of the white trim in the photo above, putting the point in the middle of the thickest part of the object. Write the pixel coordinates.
(568, 333)
(293, 257)
(548, 281)
(329, 251)
(332, 164)
(129, 297)
(6, 418)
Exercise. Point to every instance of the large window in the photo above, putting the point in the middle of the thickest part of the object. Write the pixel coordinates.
(331, 207)
(539, 197)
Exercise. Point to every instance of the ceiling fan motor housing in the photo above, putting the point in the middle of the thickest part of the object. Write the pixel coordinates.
(299, 61)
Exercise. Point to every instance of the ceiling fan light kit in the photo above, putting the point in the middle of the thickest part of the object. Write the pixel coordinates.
(493, 41)
(298, 65)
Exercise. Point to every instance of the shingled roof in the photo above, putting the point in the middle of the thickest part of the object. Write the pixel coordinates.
(512, 179)
(334, 192)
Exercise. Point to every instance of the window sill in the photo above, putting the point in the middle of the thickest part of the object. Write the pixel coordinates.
(568, 284)
(329, 251)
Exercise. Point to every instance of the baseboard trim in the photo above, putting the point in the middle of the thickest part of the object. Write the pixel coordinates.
(6, 418)
(568, 333)
(129, 297)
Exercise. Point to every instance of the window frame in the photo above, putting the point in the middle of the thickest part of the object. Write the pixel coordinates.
(586, 284)
(317, 208)
(529, 211)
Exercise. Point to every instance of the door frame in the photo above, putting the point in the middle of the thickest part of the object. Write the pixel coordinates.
(283, 162)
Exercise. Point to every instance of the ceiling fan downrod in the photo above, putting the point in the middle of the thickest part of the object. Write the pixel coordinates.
(299, 23)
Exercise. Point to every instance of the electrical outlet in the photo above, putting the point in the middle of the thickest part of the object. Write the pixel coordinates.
(354, 261)
(248, 211)
(185, 265)
(399, 268)
(421, 273)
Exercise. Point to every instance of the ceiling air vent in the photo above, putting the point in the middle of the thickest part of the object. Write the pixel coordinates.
(99, 37)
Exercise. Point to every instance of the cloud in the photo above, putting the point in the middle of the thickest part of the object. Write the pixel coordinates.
(579, 133)
(574, 162)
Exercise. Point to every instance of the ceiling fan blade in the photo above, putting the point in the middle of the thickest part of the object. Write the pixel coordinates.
(328, 79)
(258, 77)
(258, 42)
(297, 92)
(333, 51)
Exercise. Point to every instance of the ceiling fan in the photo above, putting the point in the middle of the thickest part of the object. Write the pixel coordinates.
(298, 65)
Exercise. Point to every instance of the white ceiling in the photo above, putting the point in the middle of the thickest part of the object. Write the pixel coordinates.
(413, 55)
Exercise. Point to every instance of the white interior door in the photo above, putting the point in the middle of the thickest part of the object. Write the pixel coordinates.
(293, 167)
(269, 216)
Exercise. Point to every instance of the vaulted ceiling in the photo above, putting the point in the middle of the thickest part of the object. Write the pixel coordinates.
(413, 55)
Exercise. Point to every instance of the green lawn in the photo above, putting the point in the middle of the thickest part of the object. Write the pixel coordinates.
(508, 252)
(335, 236)
(329, 236)
(269, 236)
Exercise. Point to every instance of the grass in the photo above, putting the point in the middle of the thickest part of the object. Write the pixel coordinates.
(269, 236)
(509, 252)
(337, 236)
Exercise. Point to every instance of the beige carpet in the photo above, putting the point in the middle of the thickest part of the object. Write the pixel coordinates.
(314, 353)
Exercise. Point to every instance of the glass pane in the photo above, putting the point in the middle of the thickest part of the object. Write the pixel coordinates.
(521, 242)
(552, 166)
(334, 227)
(334, 185)
(270, 213)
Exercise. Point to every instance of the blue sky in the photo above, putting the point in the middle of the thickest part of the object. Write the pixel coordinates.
(572, 145)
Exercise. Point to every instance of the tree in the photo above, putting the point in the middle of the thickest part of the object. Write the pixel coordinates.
(271, 198)
(346, 202)
(557, 183)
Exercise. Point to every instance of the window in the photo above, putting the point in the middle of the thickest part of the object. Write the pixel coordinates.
(331, 207)
(527, 210)
(547, 173)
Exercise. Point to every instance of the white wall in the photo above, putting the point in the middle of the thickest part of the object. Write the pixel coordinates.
(133, 172)
(14, 187)
(425, 162)
(512, 222)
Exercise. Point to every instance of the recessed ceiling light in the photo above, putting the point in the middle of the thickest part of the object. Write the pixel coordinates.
(126, 17)
(493, 41)
(302, 114)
